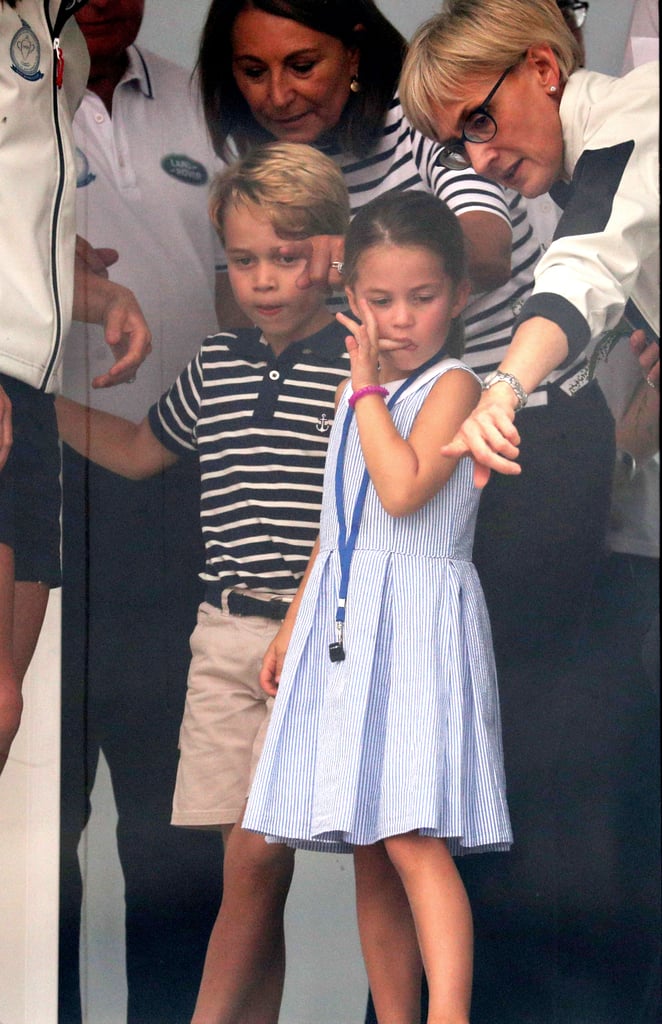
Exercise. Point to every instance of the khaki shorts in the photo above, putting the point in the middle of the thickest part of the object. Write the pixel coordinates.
(225, 717)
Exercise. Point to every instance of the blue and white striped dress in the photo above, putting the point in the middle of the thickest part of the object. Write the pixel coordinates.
(404, 734)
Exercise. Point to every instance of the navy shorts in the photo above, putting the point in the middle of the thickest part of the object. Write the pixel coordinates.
(30, 492)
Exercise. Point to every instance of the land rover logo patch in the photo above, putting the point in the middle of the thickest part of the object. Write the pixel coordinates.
(25, 53)
(183, 168)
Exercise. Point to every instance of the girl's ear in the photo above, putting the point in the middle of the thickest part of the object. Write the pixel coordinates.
(461, 297)
(353, 302)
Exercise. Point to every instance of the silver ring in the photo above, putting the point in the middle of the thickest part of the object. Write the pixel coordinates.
(130, 380)
(338, 265)
(651, 383)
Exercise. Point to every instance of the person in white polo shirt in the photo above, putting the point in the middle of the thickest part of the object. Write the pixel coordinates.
(132, 551)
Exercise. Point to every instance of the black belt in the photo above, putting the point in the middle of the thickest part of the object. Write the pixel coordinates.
(244, 604)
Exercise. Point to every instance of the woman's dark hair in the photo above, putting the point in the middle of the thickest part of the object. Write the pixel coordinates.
(416, 220)
(356, 23)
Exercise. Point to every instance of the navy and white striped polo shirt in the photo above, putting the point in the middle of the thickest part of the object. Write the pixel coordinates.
(260, 425)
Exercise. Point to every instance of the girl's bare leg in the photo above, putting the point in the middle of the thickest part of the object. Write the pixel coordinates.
(242, 980)
(442, 916)
(388, 938)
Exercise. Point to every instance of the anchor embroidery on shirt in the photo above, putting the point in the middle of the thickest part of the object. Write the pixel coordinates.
(323, 424)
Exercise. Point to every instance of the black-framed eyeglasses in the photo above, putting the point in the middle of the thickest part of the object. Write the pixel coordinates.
(479, 126)
(574, 12)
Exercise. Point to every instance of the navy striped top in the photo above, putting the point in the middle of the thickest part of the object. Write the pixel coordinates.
(260, 425)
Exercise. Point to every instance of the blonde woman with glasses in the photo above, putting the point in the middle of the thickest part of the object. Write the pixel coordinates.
(498, 83)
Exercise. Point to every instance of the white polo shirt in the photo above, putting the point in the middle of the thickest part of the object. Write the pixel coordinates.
(143, 180)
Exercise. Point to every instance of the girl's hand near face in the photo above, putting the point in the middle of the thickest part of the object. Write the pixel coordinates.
(365, 346)
(362, 344)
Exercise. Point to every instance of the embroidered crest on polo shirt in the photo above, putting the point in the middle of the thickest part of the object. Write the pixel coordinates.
(25, 53)
(185, 169)
(84, 175)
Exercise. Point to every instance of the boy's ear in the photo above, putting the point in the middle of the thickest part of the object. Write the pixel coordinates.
(353, 304)
(462, 293)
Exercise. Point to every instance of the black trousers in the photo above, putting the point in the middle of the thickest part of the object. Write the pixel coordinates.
(567, 922)
(131, 554)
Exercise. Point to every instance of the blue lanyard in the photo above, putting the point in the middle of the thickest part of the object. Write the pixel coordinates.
(347, 538)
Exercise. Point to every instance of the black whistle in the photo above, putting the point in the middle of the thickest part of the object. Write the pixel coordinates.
(336, 652)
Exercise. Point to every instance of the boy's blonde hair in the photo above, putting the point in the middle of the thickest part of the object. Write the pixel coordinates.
(472, 39)
(300, 190)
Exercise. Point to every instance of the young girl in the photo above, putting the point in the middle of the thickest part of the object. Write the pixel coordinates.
(386, 731)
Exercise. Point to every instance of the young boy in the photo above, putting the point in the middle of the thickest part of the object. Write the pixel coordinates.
(257, 406)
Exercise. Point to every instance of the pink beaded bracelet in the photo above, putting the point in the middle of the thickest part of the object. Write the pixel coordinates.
(369, 389)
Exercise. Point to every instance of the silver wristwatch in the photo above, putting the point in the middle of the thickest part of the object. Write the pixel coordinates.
(497, 375)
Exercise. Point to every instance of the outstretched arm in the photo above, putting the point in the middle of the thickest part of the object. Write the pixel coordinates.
(406, 472)
(488, 238)
(101, 301)
(129, 449)
(323, 255)
(489, 434)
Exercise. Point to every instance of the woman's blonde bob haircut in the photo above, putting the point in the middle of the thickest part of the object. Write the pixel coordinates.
(472, 39)
(300, 191)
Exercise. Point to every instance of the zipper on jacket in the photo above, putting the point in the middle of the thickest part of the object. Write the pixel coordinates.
(58, 70)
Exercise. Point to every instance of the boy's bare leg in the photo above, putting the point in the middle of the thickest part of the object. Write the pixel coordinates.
(22, 610)
(388, 937)
(242, 980)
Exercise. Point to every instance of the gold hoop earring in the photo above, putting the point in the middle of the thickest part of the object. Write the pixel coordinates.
(354, 84)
